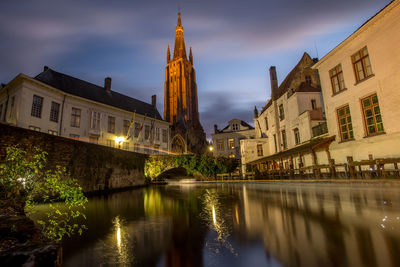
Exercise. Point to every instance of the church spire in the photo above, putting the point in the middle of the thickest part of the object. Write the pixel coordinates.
(179, 49)
(191, 56)
(168, 55)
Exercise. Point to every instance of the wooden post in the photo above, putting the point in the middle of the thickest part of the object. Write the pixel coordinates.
(332, 168)
(315, 162)
(396, 168)
(300, 166)
(291, 167)
(352, 169)
(372, 166)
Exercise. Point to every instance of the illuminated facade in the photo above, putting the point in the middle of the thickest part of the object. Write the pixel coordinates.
(180, 99)
(58, 104)
(360, 85)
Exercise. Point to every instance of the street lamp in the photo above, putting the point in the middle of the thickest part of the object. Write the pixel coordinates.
(119, 140)
(211, 148)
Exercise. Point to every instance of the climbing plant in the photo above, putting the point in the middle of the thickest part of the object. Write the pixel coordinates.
(26, 178)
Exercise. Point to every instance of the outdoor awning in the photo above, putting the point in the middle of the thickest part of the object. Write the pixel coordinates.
(303, 148)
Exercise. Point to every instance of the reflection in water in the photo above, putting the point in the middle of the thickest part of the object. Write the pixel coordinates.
(257, 224)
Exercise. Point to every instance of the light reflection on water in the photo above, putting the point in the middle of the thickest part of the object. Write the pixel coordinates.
(257, 224)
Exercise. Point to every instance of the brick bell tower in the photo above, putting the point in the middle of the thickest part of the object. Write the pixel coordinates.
(180, 98)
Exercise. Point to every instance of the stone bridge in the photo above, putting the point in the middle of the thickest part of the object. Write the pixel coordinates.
(165, 166)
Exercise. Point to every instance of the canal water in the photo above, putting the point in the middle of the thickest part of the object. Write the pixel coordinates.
(242, 224)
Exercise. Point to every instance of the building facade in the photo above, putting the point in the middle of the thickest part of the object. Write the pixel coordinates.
(360, 84)
(226, 142)
(58, 104)
(289, 122)
(180, 98)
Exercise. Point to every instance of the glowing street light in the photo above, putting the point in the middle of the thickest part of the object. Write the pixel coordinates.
(119, 140)
(211, 148)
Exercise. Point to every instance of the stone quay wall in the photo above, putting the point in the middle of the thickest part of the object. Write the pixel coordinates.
(96, 167)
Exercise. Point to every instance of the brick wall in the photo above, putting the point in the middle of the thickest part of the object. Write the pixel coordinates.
(96, 167)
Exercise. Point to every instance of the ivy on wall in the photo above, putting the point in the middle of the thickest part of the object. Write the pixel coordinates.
(203, 166)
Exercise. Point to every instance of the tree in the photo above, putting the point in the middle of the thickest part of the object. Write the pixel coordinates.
(26, 178)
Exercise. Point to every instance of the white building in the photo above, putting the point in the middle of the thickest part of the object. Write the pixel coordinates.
(360, 81)
(290, 122)
(58, 104)
(226, 142)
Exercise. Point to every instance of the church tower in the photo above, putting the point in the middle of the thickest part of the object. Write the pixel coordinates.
(180, 98)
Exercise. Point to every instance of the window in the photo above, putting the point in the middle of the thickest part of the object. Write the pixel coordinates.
(372, 115)
(74, 136)
(361, 64)
(37, 104)
(345, 126)
(308, 79)
(281, 112)
(259, 150)
(220, 144)
(158, 134)
(76, 117)
(276, 145)
(111, 124)
(52, 132)
(284, 143)
(313, 104)
(235, 127)
(231, 143)
(137, 129)
(95, 122)
(146, 132)
(110, 143)
(126, 127)
(266, 122)
(55, 108)
(296, 136)
(337, 80)
(136, 148)
(34, 128)
(164, 136)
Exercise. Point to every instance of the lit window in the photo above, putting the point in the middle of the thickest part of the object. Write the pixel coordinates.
(95, 122)
(76, 117)
(37, 104)
(281, 112)
(259, 150)
(126, 145)
(296, 136)
(55, 109)
(345, 125)
(372, 115)
(231, 143)
(220, 144)
(284, 143)
(337, 80)
(111, 124)
(361, 64)
(52, 132)
(110, 143)
(232, 156)
(34, 128)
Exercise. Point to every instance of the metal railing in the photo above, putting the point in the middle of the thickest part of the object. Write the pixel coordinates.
(320, 129)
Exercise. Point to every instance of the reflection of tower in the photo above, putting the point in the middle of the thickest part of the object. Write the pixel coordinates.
(180, 99)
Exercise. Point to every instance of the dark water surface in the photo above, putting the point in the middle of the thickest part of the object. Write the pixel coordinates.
(249, 224)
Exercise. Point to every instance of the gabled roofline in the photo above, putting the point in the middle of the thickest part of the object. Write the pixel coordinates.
(389, 7)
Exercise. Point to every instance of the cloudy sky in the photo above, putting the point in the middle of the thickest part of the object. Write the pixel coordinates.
(233, 42)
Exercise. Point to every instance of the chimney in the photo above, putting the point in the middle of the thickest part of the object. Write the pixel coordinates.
(45, 68)
(215, 128)
(154, 101)
(107, 84)
(274, 82)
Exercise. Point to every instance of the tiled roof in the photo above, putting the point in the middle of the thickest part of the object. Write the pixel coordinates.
(77, 87)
